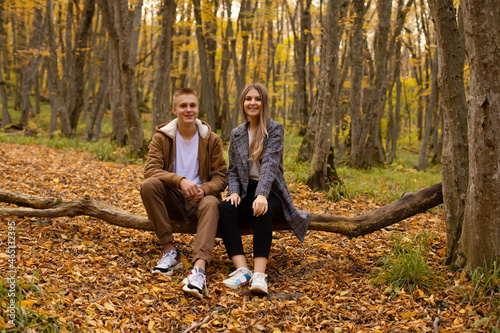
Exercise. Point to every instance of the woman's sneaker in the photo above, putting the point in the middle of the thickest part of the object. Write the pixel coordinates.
(170, 261)
(195, 282)
(239, 277)
(258, 283)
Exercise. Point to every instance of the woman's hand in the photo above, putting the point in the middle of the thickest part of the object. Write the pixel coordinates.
(234, 199)
(259, 205)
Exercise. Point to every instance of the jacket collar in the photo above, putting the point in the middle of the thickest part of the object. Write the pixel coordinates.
(170, 129)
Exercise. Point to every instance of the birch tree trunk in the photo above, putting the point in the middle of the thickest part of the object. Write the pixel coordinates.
(479, 244)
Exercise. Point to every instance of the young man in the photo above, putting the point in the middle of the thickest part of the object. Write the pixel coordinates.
(184, 174)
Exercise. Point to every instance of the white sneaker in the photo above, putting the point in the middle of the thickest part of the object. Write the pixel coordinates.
(170, 261)
(239, 277)
(195, 282)
(258, 283)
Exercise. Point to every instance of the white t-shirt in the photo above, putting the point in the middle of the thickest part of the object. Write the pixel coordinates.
(186, 162)
(253, 166)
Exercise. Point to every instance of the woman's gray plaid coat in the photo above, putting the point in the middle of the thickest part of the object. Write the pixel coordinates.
(271, 173)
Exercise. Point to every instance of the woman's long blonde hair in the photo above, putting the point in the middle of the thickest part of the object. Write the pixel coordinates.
(257, 144)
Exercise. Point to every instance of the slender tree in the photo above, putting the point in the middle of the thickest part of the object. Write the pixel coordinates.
(326, 102)
(205, 34)
(161, 89)
(430, 119)
(6, 120)
(79, 57)
(355, 93)
(59, 110)
(33, 62)
(121, 26)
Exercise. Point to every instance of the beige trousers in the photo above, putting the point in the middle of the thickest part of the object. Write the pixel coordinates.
(164, 204)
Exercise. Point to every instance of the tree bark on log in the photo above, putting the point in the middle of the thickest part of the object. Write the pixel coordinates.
(410, 204)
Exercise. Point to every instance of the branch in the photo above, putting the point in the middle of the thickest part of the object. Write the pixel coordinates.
(408, 205)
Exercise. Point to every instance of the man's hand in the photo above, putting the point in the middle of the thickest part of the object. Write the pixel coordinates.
(259, 205)
(198, 196)
(190, 188)
(234, 199)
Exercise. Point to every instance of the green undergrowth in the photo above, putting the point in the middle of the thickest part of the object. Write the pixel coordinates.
(486, 285)
(16, 315)
(406, 267)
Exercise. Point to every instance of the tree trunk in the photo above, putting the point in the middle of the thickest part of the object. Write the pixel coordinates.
(479, 244)
(161, 90)
(356, 56)
(77, 84)
(120, 26)
(306, 150)
(206, 49)
(423, 160)
(6, 120)
(410, 204)
(92, 129)
(245, 19)
(225, 62)
(309, 143)
(453, 103)
(375, 97)
(30, 69)
(57, 102)
(374, 108)
(119, 127)
(326, 96)
(300, 39)
(396, 126)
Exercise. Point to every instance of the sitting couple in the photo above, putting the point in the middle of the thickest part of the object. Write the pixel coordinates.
(185, 173)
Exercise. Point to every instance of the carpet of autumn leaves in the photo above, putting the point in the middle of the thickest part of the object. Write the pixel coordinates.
(96, 277)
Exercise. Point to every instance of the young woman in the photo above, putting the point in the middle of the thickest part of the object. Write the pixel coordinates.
(257, 191)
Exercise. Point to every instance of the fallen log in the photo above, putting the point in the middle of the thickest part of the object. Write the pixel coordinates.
(410, 204)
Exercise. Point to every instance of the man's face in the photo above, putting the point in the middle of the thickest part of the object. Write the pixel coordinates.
(186, 109)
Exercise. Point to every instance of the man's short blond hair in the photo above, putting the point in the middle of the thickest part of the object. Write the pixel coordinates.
(184, 91)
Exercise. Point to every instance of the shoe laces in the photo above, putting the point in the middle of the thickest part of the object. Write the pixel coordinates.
(197, 279)
(240, 272)
(168, 258)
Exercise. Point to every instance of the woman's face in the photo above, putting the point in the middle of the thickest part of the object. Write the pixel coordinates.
(252, 103)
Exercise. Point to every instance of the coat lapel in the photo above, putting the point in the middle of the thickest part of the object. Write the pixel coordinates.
(242, 146)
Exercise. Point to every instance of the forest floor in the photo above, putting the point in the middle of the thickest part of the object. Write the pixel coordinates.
(90, 276)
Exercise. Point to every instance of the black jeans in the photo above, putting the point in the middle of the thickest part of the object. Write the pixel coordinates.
(230, 218)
